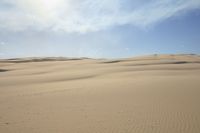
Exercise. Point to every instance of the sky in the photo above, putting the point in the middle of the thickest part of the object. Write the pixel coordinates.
(98, 28)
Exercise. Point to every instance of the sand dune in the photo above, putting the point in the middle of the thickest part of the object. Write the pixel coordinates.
(149, 94)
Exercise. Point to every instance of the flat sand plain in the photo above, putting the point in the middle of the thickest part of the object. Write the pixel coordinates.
(149, 94)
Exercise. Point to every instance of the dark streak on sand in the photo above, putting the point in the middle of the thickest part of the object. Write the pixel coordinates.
(3, 70)
(26, 60)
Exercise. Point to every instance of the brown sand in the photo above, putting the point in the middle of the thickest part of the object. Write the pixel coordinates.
(151, 94)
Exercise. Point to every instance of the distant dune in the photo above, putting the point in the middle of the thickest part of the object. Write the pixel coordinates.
(149, 94)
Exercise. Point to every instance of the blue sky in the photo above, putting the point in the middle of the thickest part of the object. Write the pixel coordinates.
(98, 28)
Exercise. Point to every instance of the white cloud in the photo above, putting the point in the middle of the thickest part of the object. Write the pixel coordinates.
(87, 15)
(2, 43)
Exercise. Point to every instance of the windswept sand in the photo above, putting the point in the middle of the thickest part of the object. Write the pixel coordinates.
(150, 94)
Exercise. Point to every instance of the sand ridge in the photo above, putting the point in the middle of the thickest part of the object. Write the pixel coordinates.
(149, 94)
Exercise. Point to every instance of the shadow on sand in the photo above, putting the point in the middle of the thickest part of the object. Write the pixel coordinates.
(3, 70)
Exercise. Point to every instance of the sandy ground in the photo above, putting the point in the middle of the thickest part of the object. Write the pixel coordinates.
(149, 94)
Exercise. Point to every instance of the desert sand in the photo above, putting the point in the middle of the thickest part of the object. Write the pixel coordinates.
(148, 94)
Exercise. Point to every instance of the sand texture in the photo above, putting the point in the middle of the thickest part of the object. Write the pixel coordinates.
(149, 94)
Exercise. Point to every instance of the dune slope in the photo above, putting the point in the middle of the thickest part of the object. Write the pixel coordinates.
(149, 94)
